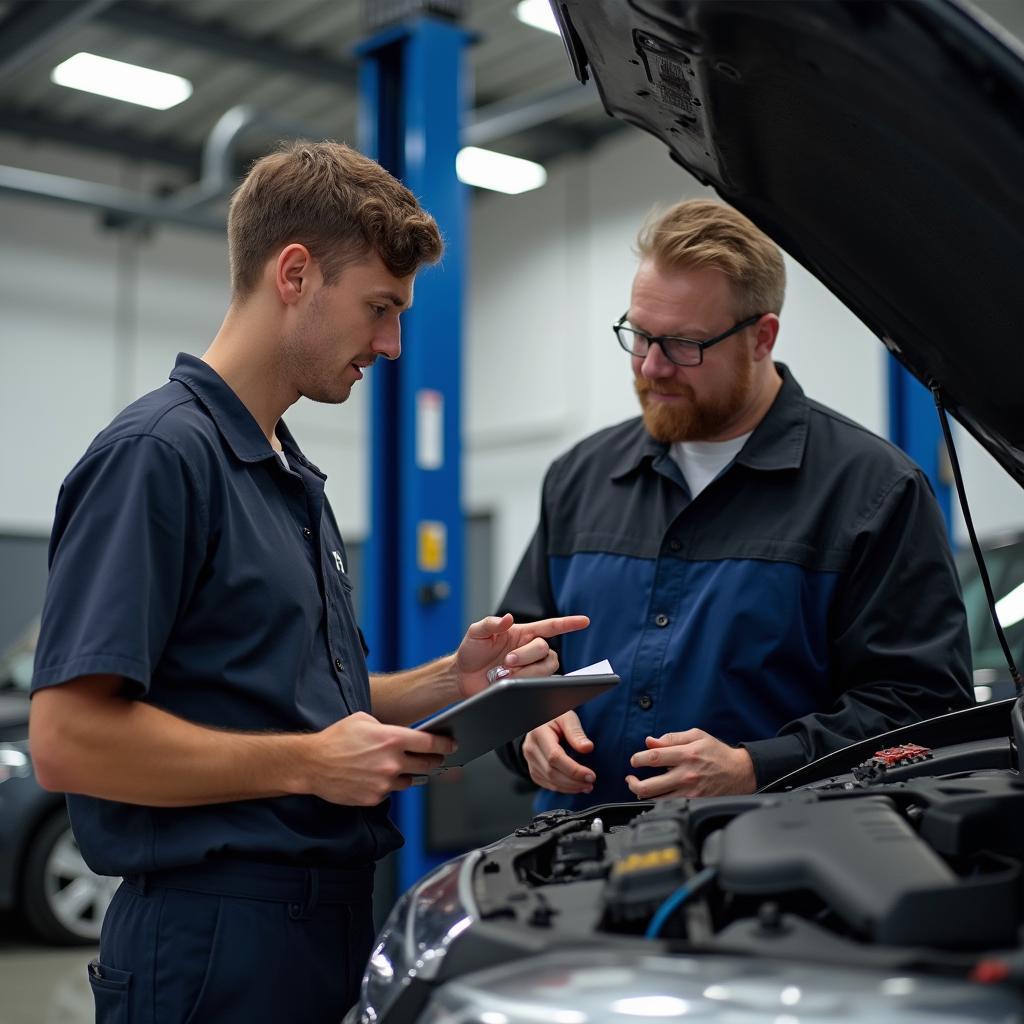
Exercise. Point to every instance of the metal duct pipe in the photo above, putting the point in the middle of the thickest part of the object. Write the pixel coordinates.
(218, 175)
(109, 198)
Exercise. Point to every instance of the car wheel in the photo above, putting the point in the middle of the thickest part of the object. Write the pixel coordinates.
(62, 899)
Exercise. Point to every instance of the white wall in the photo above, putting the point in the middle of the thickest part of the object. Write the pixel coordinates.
(91, 318)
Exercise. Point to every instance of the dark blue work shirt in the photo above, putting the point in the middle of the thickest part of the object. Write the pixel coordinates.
(186, 558)
(804, 600)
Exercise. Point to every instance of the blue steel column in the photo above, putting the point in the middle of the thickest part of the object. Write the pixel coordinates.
(410, 120)
(914, 426)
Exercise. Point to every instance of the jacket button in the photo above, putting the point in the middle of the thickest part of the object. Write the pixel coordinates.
(337, 664)
(307, 532)
(661, 620)
(674, 545)
(645, 703)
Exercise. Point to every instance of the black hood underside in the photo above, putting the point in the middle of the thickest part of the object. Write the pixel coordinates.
(879, 142)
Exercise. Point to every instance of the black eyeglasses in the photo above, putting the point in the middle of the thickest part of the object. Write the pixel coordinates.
(681, 351)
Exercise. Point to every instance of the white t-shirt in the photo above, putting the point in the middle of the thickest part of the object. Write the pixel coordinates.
(702, 461)
(284, 459)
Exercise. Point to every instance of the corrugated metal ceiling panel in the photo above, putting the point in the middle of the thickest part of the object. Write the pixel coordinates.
(509, 60)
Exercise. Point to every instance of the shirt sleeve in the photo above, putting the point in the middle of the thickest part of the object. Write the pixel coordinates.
(125, 552)
(898, 640)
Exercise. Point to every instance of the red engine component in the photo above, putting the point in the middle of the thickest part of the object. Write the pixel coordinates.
(891, 757)
(905, 753)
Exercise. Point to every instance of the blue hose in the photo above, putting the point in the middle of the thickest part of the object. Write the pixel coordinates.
(673, 902)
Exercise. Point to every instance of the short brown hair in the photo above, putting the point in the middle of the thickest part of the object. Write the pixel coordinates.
(698, 233)
(338, 203)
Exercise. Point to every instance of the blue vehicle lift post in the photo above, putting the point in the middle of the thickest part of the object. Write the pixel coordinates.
(914, 426)
(411, 108)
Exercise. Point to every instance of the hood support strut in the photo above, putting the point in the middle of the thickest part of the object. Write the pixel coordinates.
(1017, 713)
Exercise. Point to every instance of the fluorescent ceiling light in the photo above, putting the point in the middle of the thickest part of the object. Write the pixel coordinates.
(537, 14)
(122, 81)
(487, 169)
(1010, 609)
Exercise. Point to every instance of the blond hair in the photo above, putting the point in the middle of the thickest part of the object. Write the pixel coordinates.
(338, 203)
(699, 233)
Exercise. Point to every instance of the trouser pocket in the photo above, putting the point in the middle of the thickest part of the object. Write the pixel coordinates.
(110, 990)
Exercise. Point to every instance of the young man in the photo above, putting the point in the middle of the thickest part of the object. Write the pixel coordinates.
(200, 683)
(771, 581)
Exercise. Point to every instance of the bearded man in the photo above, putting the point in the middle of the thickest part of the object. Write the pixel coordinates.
(771, 580)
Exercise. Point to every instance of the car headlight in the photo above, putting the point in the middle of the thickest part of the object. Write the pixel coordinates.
(416, 936)
(14, 760)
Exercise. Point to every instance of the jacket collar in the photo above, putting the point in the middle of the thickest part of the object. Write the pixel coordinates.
(779, 440)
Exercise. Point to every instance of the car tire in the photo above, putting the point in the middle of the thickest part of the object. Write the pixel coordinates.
(61, 898)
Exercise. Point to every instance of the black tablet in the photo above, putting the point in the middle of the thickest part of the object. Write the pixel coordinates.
(508, 709)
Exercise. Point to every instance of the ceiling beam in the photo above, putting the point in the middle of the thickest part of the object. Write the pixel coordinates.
(148, 19)
(32, 26)
(35, 125)
(521, 116)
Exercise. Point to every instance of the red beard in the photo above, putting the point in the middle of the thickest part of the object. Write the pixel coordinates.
(688, 419)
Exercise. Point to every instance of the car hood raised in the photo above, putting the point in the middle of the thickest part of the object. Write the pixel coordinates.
(880, 143)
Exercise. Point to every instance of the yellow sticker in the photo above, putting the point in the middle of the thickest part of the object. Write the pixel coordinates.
(432, 546)
(651, 860)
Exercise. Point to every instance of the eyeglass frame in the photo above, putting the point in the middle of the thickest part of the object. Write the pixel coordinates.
(657, 339)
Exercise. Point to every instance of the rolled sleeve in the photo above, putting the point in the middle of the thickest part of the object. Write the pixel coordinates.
(124, 554)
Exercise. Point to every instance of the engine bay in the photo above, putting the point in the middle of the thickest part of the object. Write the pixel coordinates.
(865, 869)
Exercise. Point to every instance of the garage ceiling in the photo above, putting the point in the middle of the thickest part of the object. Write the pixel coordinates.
(292, 60)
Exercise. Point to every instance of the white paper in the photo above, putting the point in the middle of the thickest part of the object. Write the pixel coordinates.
(599, 668)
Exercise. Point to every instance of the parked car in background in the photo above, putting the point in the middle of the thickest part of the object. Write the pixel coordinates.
(42, 874)
(1004, 556)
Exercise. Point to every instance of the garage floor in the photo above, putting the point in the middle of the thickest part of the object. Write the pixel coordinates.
(42, 984)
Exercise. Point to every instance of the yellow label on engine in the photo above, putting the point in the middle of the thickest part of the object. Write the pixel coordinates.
(649, 861)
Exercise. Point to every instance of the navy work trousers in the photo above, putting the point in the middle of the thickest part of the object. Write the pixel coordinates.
(234, 942)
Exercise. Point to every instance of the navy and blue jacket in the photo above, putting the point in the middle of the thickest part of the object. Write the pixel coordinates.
(805, 599)
(188, 560)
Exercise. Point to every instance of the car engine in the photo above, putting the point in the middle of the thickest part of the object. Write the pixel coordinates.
(864, 870)
(892, 889)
